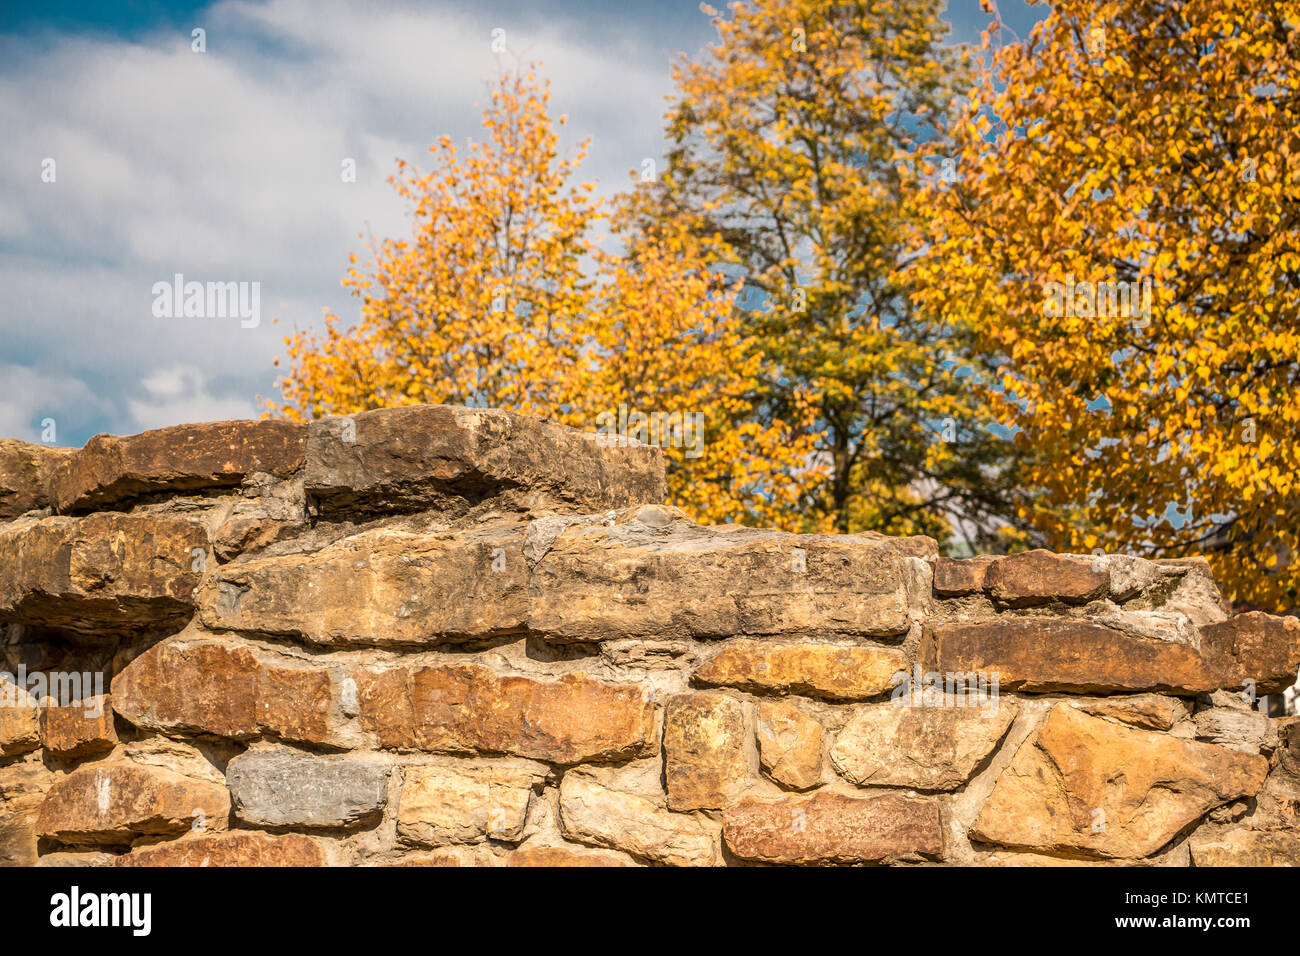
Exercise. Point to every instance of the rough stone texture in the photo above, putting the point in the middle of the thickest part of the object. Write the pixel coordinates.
(101, 573)
(1246, 848)
(789, 745)
(926, 748)
(1065, 654)
(23, 785)
(706, 761)
(567, 856)
(448, 856)
(20, 727)
(25, 471)
(236, 848)
(468, 707)
(594, 814)
(439, 456)
(1246, 730)
(1147, 787)
(378, 588)
(1254, 646)
(1149, 711)
(110, 470)
(832, 827)
(429, 636)
(282, 787)
(1039, 577)
(835, 671)
(76, 859)
(118, 801)
(267, 511)
(954, 577)
(207, 686)
(79, 729)
(464, 804)
(1196, 595)
(633, 581)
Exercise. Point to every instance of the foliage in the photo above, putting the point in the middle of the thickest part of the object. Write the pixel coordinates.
(1145, 139)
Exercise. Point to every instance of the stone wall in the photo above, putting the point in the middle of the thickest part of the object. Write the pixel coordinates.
(441, 636)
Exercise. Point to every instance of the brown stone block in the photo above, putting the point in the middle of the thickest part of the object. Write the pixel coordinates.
(237, 848)
(832, 827)
(836, 671)
(211, 686)
(467, 707)
(1091, 787)
(1065, 654)
(1039, 577)
(78, 729)
(110, 470)
(421, 457)
(706, 741)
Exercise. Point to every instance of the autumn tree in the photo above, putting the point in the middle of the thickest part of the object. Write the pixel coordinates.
(502, 297)
(791, 138)
(651, 351)
(1154, 143)
(485, 303)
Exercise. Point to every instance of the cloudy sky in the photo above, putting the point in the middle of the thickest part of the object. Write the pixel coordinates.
(225, 166)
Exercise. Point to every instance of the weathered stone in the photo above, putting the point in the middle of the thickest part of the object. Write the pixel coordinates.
(421, 457)
(116, 801)
(20, 727)
(1258, 647)
(177, 458)
(706, 744)
(789, 745)
(829, 827)
(1095, 788)
(1039, 577)
(1246, 730)
(1149, 711)
(594, 814)
(464, 804)
(836, 671)
(567, 856)
(70, 859)
(236, 848)
(954, 577)
(1241, 847)
(378, 588)
(471, 856)
(210, 686)
(101, 573)
(927, 748)
(630, 580)
(1065, 654)
(25, 471)
(1284, 778)
(23, 786)
(266, 511)
(1194, 593)
(1130, 575)
(467, 707)
(282, 787)
(78, 729)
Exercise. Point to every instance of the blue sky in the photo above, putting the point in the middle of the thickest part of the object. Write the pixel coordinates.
(225, 165)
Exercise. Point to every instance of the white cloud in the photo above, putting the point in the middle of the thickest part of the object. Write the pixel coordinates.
(225, 166)
(180, 394)
(30, 398)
